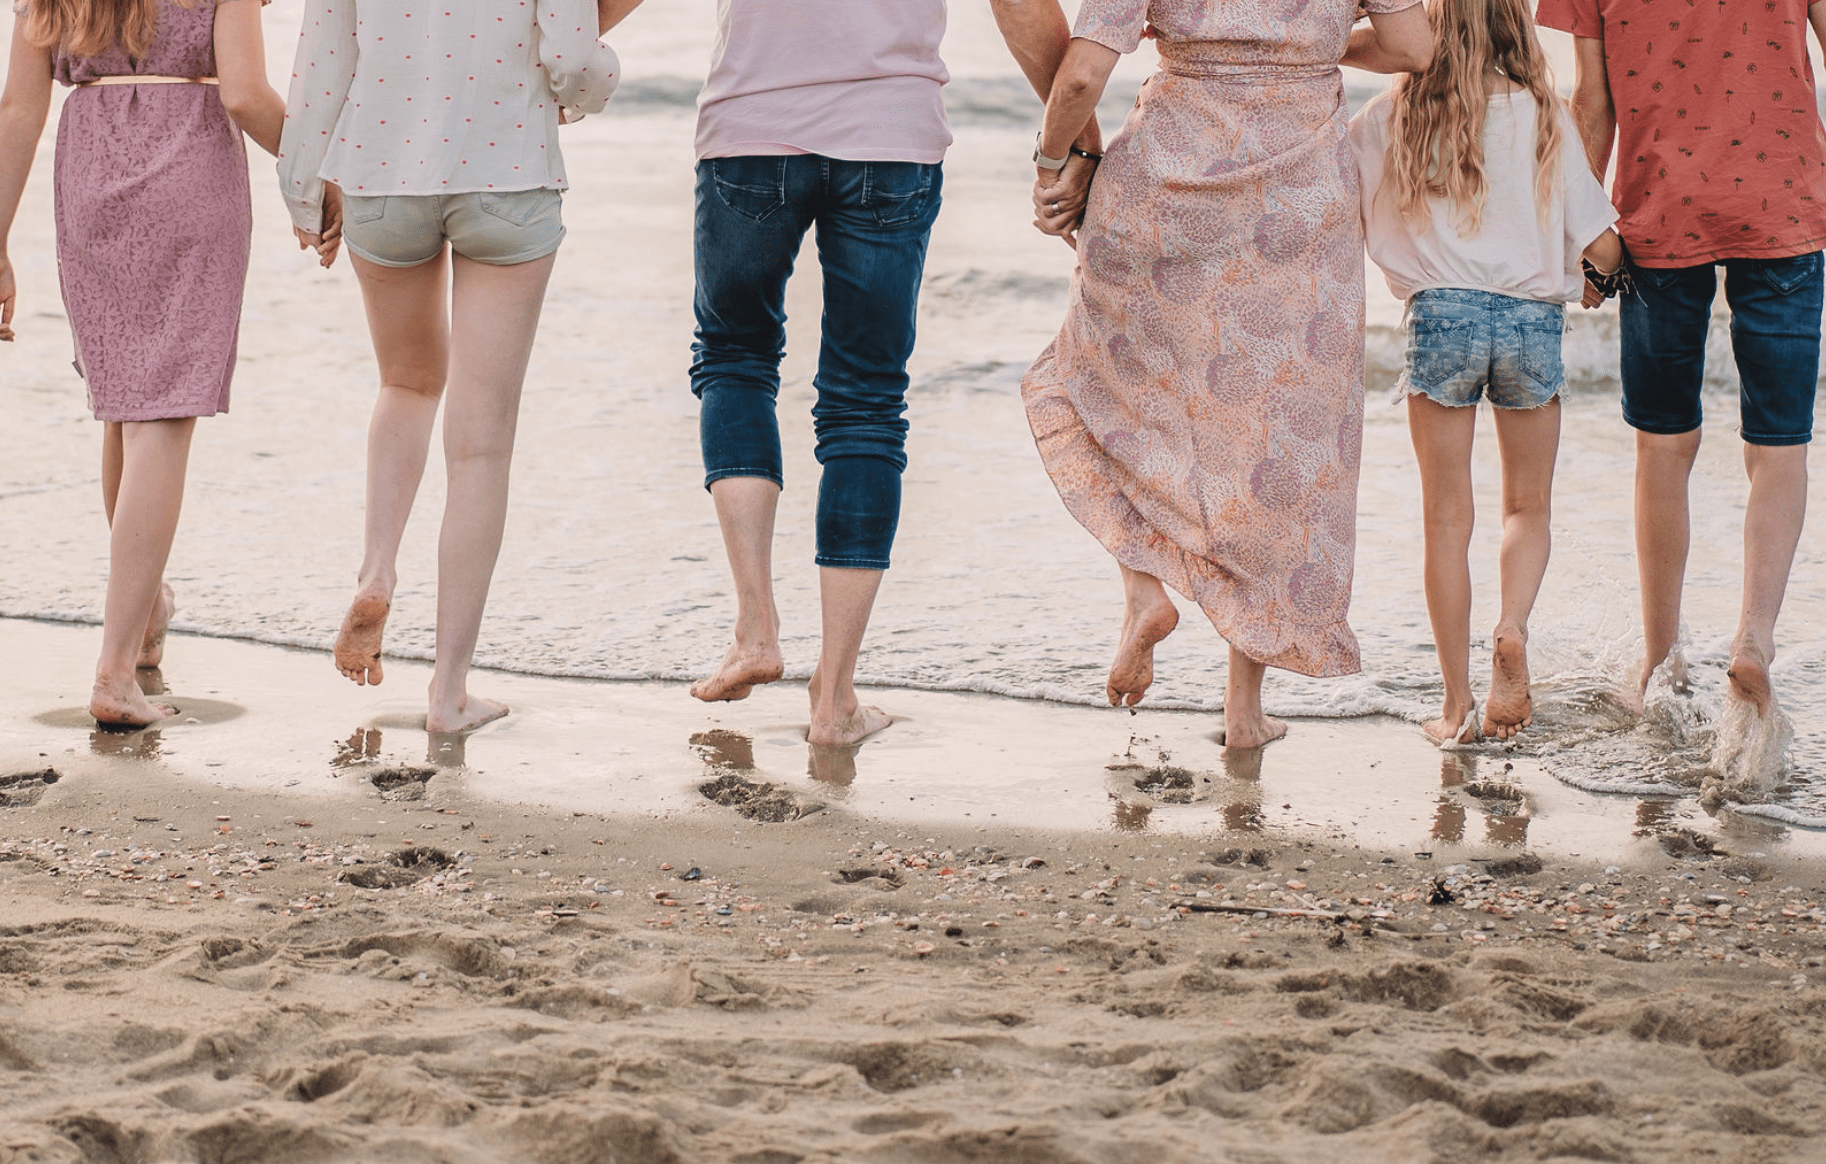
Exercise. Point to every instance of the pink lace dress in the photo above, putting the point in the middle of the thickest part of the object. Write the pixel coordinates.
(153, 225)
(1201, 411)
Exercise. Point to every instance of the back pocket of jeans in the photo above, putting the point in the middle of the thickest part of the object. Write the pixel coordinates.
(1786, 276)
(753, 187)
(898, 192)
(1439, 351)
(363, 208)
(1542, 354)
(516, 206)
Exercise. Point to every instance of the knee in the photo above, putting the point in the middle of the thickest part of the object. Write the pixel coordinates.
(419, 388)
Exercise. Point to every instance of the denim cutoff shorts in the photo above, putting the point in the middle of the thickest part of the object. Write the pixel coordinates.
(405, 230)
(1469, 345)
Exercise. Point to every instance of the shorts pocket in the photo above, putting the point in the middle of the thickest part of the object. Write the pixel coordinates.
(1786, 276)
(897, 192)
(753, 187)
(357, 208)
(516, 206)
(1439, 351)
(1542, 353)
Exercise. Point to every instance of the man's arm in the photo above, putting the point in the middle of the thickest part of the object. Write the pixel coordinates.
(1592, 108)
(1037, 33)
(609, 13)
(1394, 42)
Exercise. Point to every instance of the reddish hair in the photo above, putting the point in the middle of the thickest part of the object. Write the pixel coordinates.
(87, 28)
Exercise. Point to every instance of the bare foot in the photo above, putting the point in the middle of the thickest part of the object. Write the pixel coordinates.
(120, 703)
(853, 728)
(1510, 707)
(466, 715)
(1251, 732)
(358, 643)
(1749, 675)
(1133, 670)
(152, 647)
(743, 669)
(1453, 729)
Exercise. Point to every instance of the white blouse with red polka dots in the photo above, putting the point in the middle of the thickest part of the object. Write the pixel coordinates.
(437, 96)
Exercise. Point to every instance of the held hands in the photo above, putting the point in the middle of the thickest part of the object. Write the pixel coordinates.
(327, 242)
(1059, 197)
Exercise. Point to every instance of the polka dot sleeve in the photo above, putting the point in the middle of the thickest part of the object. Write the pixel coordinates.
(321, 76)
(582, 71)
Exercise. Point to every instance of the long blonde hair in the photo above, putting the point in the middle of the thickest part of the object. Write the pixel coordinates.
(86, 28)
(1436, 132)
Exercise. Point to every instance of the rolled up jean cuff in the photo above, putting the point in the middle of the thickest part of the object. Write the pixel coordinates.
(851, 563)
(714, 476)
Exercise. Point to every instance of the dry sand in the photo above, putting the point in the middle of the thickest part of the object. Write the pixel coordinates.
(397, 967)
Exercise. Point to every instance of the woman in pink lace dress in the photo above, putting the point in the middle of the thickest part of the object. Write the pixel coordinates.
(1202, 409)
(153, 229)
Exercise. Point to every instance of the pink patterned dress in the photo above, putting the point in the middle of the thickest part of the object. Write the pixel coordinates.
(153, 225)
(1201, 411)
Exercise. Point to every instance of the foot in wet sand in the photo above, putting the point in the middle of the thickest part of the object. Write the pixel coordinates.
(1510, 707)
(1453, 729)
(465, 715)
(743, 669)
(120, 703)
(1133, 670)
(1749, 675)
(843, 730)
(1251, 731)
(152, 647)
(358, 643)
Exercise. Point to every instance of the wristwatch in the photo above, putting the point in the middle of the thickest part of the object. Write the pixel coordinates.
(1044, 162)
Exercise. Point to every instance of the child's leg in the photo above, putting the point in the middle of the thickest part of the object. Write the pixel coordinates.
(411, 333)
(494, 313)
(152, 643)
(1529, 439)
(147, 496)
(1442, 445)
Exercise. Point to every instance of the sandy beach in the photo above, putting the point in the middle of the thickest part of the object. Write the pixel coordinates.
(689, 944)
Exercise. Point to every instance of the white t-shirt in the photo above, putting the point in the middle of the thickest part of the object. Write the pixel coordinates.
(856, 79)
(1513, 254)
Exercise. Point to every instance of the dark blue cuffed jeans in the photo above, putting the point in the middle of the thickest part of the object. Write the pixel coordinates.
(873, 220)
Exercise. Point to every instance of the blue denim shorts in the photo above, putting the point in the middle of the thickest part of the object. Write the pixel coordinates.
(1464, 346)
(1775, 337)
(498, 228)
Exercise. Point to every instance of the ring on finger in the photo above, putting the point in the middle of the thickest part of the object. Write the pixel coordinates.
(1055, 207)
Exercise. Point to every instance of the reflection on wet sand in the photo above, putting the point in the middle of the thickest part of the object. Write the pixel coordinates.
(835, 766)
(1449, 820)
(360, 748)
(140, 743)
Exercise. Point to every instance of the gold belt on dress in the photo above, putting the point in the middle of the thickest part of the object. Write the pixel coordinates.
(131, 80)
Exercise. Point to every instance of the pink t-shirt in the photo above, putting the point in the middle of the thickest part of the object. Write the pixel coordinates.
(858, 80)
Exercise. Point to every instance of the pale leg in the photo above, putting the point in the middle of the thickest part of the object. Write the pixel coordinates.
(494, 315)
(745, 508)
(411, 335)
(838, 716)
(1244, 724)
(1442, 439)
(152, 646)
(147, 496)
(1148, 616)
(1530, 441)
(1772, 529)
(1663, 465)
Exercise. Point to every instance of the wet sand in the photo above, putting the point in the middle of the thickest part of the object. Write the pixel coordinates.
(289, 937)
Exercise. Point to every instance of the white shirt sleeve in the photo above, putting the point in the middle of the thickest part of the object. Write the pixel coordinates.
(321, 75)
(582, 71)
(1589, 212)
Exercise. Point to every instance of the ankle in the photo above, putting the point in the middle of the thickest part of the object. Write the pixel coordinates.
(1511, 632)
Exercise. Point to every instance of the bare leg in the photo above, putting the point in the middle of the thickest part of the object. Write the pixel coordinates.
(152, 645)
(1244, 724)
(494, 314)
(1148, 616)
(1442, 439)
(838, 716)
(148, 495)
(745, 508)
(1663, 465)
(1530, 441)
(1772, 529)
(411, 332)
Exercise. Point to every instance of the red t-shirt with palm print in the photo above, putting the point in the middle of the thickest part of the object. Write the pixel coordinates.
(1720, 150)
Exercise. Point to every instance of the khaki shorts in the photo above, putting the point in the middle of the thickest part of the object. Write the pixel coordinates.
(405, 230)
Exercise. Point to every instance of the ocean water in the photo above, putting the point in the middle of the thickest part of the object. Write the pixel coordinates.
(613, 567)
